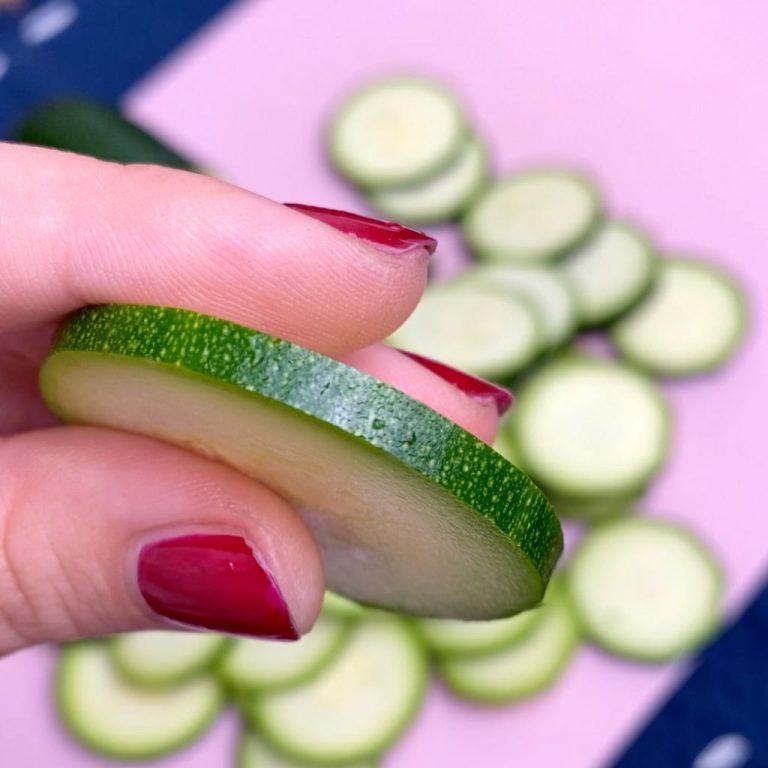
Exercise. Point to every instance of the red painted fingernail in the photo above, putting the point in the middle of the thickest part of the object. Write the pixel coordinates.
(477, 389)
(213, 581)
(387, 235)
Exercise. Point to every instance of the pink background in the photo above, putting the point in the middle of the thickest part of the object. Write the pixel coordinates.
(665, 104)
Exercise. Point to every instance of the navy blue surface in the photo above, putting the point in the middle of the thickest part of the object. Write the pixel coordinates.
(727, 694)
(109, 46)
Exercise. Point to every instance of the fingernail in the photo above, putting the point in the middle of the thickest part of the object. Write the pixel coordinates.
(386, 235)
(478, 389)
(213, 581)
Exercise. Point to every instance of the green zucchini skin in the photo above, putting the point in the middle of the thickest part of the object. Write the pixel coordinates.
(377, 416)
(88, 128)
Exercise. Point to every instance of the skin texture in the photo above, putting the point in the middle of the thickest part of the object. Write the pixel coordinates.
(77, 503)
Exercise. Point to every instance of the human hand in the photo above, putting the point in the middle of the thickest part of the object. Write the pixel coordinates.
(96, 525)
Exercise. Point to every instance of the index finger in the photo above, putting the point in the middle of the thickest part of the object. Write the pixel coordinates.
(78, 231)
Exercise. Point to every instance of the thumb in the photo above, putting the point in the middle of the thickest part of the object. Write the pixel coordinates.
(102, 532)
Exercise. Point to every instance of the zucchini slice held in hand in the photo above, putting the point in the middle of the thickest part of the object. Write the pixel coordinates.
(411, 512)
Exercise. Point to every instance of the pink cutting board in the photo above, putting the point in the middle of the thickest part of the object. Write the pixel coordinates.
(665, 104)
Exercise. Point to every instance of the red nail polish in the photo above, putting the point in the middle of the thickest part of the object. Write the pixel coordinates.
(213, 581)
(387, 235)
(478, 389)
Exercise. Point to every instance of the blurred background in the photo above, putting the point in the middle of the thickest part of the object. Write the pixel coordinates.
(661, 105)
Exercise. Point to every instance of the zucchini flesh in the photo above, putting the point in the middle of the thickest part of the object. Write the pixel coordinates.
(532, 217)
(114, 719)
(610, 272)
(162, 657)
(544, 288)
(448, 637)
(491, 334)
(410, 511)
(396, 131)
(441, 197)
(587, 428)
(524, 667)
(690, 323)
(645, 589)
(265, 664)
(354, 708)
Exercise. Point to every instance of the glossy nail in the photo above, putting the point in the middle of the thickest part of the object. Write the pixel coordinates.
(478, 389)
(213, 581)
(386, 235)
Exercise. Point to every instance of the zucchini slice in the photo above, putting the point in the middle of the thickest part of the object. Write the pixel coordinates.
(449, 637)
(411, 512)
(112, 718)
(161, 657)
(441, 197)
(400, 130)
(690, 323)
(526, 666)
(610, 272)
(486, 332)
(645, 589)
(356, 707)
(535, 216)
(546, 290)
(252, 664)
(588, 428)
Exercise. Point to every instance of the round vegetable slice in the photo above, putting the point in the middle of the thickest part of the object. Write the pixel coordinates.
(534, 216)
(488, 333)
(524, 667)
(587, 428)
(164, 657)
(114, 719)
(411, 512)
(449, 637)
(441, 197)
(690, 323)
(645, 589)
(265, 664)
(357, 706)
(254, 753)
(610, 272)
(544, 288)
(396, 131)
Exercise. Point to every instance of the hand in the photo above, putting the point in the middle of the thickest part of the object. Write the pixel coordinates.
(94, 522)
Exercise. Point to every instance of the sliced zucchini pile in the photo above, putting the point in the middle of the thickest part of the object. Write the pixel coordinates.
(592, 432)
